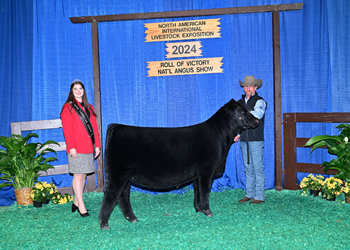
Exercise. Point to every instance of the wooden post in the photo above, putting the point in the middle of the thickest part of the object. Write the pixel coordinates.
(277, 98)
(188, 13)
(97, 89)
(290, 155)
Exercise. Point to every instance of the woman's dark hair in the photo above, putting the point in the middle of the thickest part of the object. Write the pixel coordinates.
(71, 97)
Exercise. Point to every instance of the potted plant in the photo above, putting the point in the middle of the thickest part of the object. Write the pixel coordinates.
(21, 162)
(332, 188)
(58, 198)
(336, 145)
(42, 192)
(312, 183)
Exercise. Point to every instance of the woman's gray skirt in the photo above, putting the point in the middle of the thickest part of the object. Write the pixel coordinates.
(83, 164)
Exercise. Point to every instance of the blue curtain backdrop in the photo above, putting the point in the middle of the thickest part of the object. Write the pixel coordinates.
(16, 70)
(42, 52)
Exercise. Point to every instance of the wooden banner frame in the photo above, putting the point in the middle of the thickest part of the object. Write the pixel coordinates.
(275, 9)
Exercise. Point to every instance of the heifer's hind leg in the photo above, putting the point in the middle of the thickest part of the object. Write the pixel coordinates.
(110, 198)
(196, 196)
(124, 203)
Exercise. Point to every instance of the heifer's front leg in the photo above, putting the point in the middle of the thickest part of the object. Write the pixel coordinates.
(124, 203)
(205, 183)
(110, 198)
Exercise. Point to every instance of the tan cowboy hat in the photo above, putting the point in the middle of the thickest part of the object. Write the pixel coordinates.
(250, 81)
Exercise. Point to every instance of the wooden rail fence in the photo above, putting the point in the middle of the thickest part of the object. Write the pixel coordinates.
(18, 127)
(291, 142)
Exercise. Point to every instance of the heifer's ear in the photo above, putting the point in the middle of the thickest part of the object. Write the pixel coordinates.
(232, 102)
(230, 106)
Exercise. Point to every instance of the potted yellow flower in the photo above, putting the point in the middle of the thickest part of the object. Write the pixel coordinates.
(58, 198)
(332, 188)
(42, 193)
(312, 183)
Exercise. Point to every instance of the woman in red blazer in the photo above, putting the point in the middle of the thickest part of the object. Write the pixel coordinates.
(79, 145)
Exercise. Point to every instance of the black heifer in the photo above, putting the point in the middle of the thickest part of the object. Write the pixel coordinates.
(161, 158)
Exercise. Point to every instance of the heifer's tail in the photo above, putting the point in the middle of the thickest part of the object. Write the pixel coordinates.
(106, 155)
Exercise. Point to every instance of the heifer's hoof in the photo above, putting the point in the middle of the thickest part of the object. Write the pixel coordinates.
(104, 226)
(208, 213)
(198, 210)
(131, 219)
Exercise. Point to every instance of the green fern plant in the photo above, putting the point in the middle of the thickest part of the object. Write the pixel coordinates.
(336, 145)
(21, 162)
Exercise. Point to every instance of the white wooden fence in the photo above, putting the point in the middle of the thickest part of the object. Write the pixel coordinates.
(18, 127)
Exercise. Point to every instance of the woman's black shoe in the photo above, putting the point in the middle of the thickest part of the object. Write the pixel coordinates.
(74, 207)
(85, 214)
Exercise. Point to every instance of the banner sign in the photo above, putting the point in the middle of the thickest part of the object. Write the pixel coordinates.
(182, 30)
(184, 49)
(185, 67)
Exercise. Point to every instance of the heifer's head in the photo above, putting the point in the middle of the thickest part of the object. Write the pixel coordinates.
(241, 118)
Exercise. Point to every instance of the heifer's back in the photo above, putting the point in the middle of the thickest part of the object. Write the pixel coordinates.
(159, 157)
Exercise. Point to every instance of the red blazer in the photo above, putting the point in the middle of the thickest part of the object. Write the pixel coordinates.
(75, 132)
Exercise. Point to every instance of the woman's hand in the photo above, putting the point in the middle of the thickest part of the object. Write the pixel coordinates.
(73, 153)
(236, 138)
(97, 152)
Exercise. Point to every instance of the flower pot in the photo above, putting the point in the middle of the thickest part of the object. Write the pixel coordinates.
(314, 192)
(38, 204)
(23, 196)
(46, 201)
(330, 199)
